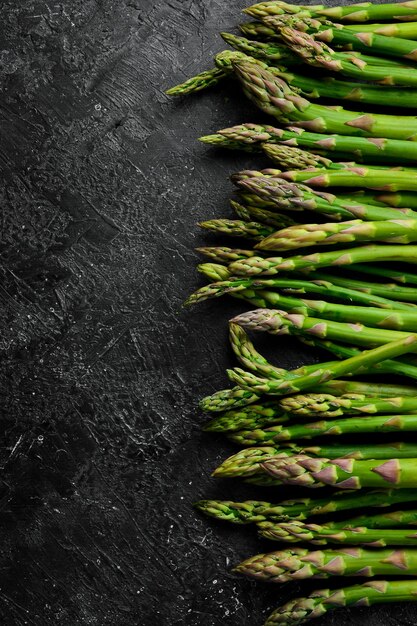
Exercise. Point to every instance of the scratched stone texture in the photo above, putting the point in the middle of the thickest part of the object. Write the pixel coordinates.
(101, 368)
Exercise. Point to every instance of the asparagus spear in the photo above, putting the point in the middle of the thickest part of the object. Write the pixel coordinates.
(354, 177)
(405, 31)
(254, 135)
(396, 200)
(249, 288)
(227, 399)
(392, 519)
(253, 511)
(238, 228)
(259, 30)
(343, 473)
(274, 96)
(399, 366)
(336, 33)
(295, 532)
(270, 218)
(364, 254)
(352, 425)
(326, 405)
(274, 54)
(323, 372)
(201, 81)
(226, 255)
(250, 417)
(383, 290)
(318, 54)
(374, 317)
(318, 603)
(353, 231)
(297, 196)
(388, 273)
(300, 563)
(247, 462)
(278, 322)
(353, 13)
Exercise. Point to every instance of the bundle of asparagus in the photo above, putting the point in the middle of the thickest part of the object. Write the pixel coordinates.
(348, 300)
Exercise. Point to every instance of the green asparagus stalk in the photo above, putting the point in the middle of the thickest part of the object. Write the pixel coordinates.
(383, 290)
(296, 196)
(228, 399)
(278, 322)
(251, 288)
(254, 135)
(300, 563)
(319, 603)
(252, 511)
(238, 228)
(396, 200)
(226, 255)
(269, 411)
(204, 80)
(318, 54)
(333, 33)
(353, 231)
(274, 54)
(270, 218)
(353, 425)
(259, 30)
(399, 366)
(324, 372)
(249, 417)
(392, 519)
(355, 177)
(405, 31)
(353, 13)
(343, 473)
(256, 266)
(247, 462)
(275, 97)
(296, 532)
(328, 406)
(294, 158)
(388, 274)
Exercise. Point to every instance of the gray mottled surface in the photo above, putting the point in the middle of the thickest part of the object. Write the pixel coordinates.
(101, 369)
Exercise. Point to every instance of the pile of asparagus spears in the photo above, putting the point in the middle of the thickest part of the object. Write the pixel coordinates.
(355, 300)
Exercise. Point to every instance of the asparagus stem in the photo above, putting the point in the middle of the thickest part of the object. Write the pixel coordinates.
(295, 532)
(251, 288)
(280, 323)
(343, 473)
(201, 81)
(326, 371)
(317, 604)
(332, 33)
(252, 136)
(238, 228)
(318, 54)
(274, 96)
(353, 231)
(353, 13)
(311, 430)
(247, 462)
(294, 196)
(252, 511)
(328, 406)
(300, 563)
(365, 254)
(355, 177)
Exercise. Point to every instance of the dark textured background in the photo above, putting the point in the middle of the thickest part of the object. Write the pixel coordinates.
(101, 369)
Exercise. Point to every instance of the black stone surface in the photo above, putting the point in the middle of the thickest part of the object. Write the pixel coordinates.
(101, 369)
